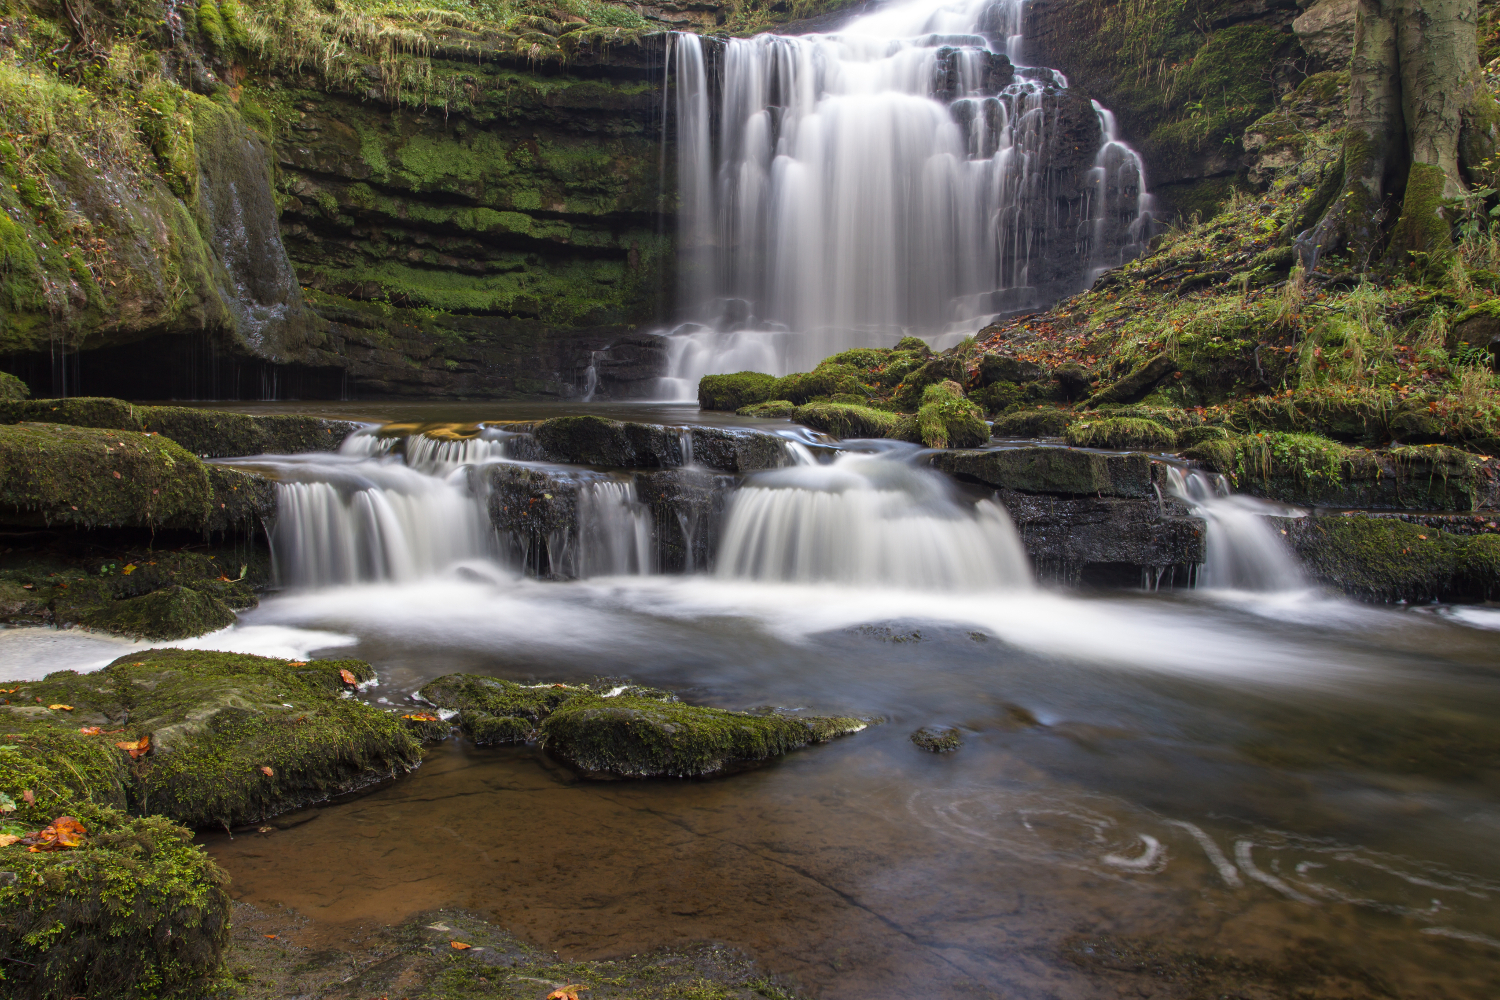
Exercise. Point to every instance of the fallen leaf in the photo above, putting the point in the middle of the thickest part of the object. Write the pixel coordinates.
(569, 992)
(1423, 537)
(271, 937)
(61, 834)
(136, 748)
(129, 569)
(91, 730)
(348, 677)
(7, 839)
(297, 663)
(459, 945)
(29, 797)
(267, 772)
(265, 829)
(420, 717)
(69, 708)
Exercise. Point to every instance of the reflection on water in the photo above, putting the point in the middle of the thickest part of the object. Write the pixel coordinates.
(1216, 775)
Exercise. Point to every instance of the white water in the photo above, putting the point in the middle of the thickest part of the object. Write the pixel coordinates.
(1243, 551)
(880, 181)
(868, 520)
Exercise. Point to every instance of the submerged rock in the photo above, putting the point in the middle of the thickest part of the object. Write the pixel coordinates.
(938, 739)
(230, 738)
(620, 730)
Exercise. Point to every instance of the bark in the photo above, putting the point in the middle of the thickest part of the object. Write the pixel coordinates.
(1421, 121)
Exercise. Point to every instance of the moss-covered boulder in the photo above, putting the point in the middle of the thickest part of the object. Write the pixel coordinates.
(134, 910)
(770, 408)
(944, 368)
(1043, 422)
(844, 420)
(1399, 558)
(12, 388)
(1121, 433)
(231, 738)
(730, 392)
(947, 420)
(938, 739)
(610, 729)
(1053, 470)
(641, 737)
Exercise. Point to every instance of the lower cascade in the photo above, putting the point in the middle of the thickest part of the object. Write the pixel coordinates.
(903, 175)
(1243, 552)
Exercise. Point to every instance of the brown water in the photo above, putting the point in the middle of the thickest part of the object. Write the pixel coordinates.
(1341, 770)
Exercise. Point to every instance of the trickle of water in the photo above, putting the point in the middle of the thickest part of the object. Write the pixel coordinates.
(868, 520)
(1243, 551)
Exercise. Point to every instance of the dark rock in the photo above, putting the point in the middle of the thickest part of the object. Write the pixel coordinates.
(687, 507)
(1395, 557)
(1052, 470)
(1073, 378)
(1045, 422)
(1106, 541)
(589, 440)
(938, 739)
(1005, 368)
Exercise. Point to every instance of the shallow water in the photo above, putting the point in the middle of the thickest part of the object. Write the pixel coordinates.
(1230, 774)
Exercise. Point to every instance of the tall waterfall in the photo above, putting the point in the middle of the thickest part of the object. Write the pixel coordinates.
(1243, 552)
(868, 520)
(900, 176)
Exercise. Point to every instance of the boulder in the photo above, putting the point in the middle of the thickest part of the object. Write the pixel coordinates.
(1052, 470)
(1326, 31)
(1106, 541)
(231, 738)
(590, 440)
(1400, 557)
(947, 420)
(845, 420)
(938, 739)
(1120, 433)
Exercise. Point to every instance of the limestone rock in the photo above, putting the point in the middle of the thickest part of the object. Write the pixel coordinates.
(1326, 31)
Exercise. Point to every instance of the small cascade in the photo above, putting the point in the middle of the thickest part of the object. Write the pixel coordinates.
(868, 520)
(615, 535)
(372, 520)
(439, 455)
(1120, 211)
(904, 175)
(1243, 551)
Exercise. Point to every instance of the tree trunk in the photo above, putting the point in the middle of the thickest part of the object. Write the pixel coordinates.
(1421, 122)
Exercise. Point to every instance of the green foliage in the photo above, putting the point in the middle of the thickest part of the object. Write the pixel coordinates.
(908, 395)
(12, 388)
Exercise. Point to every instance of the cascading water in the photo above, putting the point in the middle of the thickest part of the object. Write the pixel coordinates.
(901, 176)
(868, 520)
(1243, 552)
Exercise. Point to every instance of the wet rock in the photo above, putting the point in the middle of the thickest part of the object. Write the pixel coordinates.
(531, 501)
(938, 739)
(589, 440)
(1107, 541)
(232, 738)
(1413, 558)
(641, 737)
(491, 710)
(1007, 368)
(687, 507)
(845, 420)
(174, 612)
(730, 392)
(1052, 470)
(770, 408)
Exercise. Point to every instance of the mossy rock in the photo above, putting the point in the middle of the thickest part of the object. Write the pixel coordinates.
(730, 392)
(821, 382)
(916, 344)
(770, 408)
(938, 739)
(947, 420)
(1385, 558)
(1120, 433)
(137, 910)
(843, 420)
(12, 387)
(1053, 470)
(639, 737)
(1043, 422)
(1007, 368)
(234, 738)
(175, 612)
(944, 368)
(1190, 437)
(491, 710)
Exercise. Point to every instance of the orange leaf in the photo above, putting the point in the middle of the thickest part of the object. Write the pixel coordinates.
(268, 772)
(297, 663)
(136, 748)
(7, 839)
(569, 992)
(271, 936)
(91, 730)
(348, 677)
(459, 945)
(421, 717)
(62, 833)
(69, 708)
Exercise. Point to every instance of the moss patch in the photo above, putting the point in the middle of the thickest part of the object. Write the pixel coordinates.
(730, 392)
(947, 420)
(1388, 559)
(1120, 432)
(844, 420)
(218, 722)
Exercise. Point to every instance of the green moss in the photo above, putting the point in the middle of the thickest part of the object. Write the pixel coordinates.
(770, 408)
(908, 395)
(942, 739)
(843, 420)
(1121, 433)
(1037, 423)
(1190, 437)
(915, 344)
(216, 720)
(211, 24)
(824, 381)
(12, 387)
(175, 612)
(947, 420)
(730, 392)
(638, 737)
(1387, 559)
(1422, 228)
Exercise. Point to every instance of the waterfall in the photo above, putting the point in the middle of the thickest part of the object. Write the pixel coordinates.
(868, 520)
(614, 534)
(900, 176)
(1243, 551)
